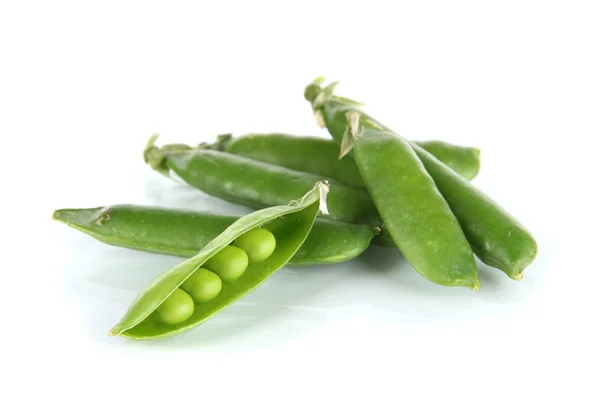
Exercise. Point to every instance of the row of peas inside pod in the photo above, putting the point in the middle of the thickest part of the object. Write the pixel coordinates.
(227, 266)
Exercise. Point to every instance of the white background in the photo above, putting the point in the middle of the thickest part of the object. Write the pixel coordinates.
(84, 84)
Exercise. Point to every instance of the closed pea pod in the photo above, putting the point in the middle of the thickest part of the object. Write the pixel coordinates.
(256, 184)
(320, 156)
(413, 210)
(495, 236)
(293, 224)
(465, 161)
(182, 233)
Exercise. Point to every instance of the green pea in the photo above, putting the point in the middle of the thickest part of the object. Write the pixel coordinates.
(178, 307)
(229, 263)
(203, 285)
(258, 243)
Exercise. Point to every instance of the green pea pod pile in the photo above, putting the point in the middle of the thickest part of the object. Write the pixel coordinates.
(495, 236)
(264, 170)
(315, 201)
(182, 233)
(291, 225)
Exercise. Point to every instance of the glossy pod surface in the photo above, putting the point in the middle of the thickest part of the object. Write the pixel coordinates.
(183, 233)
(291, 225)
(495, 236)
(320, 156)
(414, 212)
(257, 184)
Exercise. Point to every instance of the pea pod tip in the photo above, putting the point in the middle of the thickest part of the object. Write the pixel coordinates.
(473, 283)
(518, 277)
(63, 215)
(115, 331)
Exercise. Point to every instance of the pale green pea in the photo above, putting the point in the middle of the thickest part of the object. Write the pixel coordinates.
(258, 243)
(203, 285)
(178, 307)
(229, 263)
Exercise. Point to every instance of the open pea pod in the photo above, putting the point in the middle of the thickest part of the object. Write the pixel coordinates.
(290, 225)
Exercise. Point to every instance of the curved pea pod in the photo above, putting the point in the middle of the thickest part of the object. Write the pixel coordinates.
(414, 212)
(316, 155)
(495, 236)
(291, 225)
(182, 233)
(256, 184)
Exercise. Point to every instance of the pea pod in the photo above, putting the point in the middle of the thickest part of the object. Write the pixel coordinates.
(413, 210)
(316, 155)
(147, 317)
(183, 233)
(495, 236)
(256, 184)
